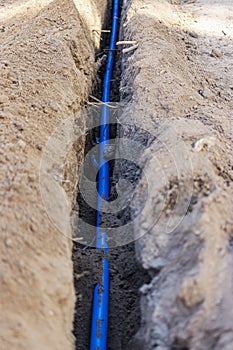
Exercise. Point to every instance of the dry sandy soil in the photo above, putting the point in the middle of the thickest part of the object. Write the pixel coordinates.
(177, 87)
(47, 68)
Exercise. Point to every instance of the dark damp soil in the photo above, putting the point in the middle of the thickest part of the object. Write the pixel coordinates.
(126, 277)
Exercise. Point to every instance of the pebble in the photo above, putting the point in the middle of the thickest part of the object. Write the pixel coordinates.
(8, 242)
(216, 53)
(31, 177)
(21, 263)
(42, 33)
(193, 34)
(21, 144)
(2, 28)
(205, 141)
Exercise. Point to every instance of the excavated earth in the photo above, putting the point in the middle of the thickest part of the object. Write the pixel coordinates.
(176, 96)
(47, 70)
(177, 86)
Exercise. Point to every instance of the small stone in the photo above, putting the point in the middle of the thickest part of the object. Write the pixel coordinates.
(209, 141)
(40, 32)
(193, 34)
(21, 144)
(8, 242)
(31, 177)
(216, 53)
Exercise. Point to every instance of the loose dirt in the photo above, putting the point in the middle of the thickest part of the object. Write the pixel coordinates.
(47, 69)
(178, 87)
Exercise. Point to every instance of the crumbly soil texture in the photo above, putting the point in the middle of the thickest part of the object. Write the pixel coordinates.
(171, 285)
(125, 273)
(126, 277)
(47, 70)
(177, 87)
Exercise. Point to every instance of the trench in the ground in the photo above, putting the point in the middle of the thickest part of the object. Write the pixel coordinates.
(126, 276)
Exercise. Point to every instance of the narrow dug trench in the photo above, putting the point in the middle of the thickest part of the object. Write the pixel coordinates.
(126, 276)
(177, 85)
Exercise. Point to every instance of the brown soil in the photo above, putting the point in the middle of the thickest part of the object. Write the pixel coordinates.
(178, 87)
(47, 68)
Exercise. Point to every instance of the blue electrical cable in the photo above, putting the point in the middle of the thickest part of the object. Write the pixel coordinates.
(99, 328)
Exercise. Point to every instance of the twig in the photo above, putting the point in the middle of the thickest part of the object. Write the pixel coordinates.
(101, 31)
(98, 32)
(126, 42)
(129, 49)
(101, 102)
